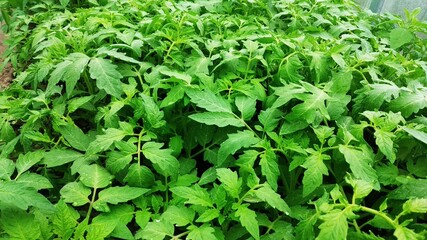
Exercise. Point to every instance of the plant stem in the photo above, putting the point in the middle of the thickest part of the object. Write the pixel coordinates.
(378, 213)
(88, 83)
(180, 235)
(166, 194)
(139, 147)
(89, 211)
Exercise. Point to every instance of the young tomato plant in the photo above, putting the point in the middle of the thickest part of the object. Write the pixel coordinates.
(278, 119)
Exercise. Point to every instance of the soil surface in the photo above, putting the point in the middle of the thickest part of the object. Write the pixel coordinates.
(6, 76)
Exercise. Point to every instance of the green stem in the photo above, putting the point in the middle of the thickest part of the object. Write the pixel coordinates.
(88, 83)
(249, 191)
(169, 50)
(180, 235)
(248, 66)
(272, 224)
(378, 213)
(89, 211)
(139, 147)
(356, 226)
(166, 194)
(139, 78)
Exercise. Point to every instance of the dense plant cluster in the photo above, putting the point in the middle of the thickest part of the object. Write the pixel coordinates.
(213, 119)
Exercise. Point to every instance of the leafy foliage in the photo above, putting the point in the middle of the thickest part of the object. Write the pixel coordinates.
(284, 119)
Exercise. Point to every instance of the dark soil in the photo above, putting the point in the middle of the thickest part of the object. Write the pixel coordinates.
(6, 76)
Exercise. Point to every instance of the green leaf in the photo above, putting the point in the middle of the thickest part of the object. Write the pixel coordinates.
(246, 106)
(422, 136)
(119, 55)
(247, 218)
(57, 75)
(106, 76)
(230, 181)
(319, 63)
(73, 71)
(410, 102)
(7, 168)
(64, 220)
(267, 194)
(220, 119)
(28, 160)
(115, 195)
(208, 176)
(175, 94)
(81, 228)
(194, 195)
(34, 180)
(99, 230)
(289, 71)
(58, 157)
(209, 101)
(118, 160)
(304, 229)
(19, 225)
(198, 64)
(38, 137)
(103, 142)
(313, 104)
(202, 233)
(74, 136)
(18, 195)
(313, 176)
(416, 205)
(360, 162)
(75, 193)
(286, 93)
(157, 230)
(269, 167)
(76, 103)
(45, 227)
(64, 3)
(142, 217)
(151, 112)
(234, 142)
(270, 118)
(374, 95)
(403, 233)
(95, 176)
(179, 216)
(415, 188)
(110, 223)
(334, 225)
(400, 37)
(361, 188)
(208, 215)
(163, 158)
(171, 73)
(139, 176)
(384, 140)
